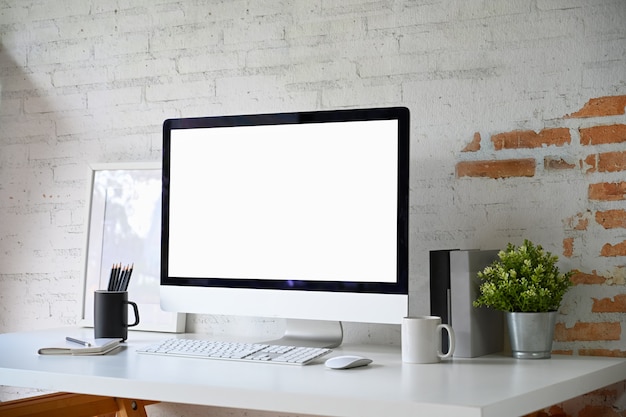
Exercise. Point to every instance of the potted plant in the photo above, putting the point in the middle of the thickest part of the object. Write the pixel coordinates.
(527, 285)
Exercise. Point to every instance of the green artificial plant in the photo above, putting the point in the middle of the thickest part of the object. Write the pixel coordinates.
(523, 279)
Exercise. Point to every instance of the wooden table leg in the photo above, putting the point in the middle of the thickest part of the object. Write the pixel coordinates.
(74, 405)
(132, 408)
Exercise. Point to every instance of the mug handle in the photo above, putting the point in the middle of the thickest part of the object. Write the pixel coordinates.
(136, 311)
(450, 341)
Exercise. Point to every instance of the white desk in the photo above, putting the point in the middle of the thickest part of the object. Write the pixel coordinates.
(486, 386)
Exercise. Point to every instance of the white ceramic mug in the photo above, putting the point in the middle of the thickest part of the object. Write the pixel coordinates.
(421, 339)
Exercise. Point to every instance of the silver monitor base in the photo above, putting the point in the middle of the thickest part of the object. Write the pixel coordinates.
(313, 333)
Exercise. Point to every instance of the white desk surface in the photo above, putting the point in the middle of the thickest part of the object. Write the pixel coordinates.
(487, 386)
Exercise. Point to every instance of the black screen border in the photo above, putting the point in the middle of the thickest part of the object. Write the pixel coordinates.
(401, 114)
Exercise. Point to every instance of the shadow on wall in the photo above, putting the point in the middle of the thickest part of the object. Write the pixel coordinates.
(24, 209)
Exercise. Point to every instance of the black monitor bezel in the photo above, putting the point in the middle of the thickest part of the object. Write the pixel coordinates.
(401, 114)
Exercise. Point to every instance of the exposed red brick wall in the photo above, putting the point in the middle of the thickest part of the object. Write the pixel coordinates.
(530, 139)
(580, 278)
(599, 135)
(602, 106)
(612, 219)
(619, 249)
(607, 191)
(588, 331)
(600, 158)
(616, 304)
(497, 169)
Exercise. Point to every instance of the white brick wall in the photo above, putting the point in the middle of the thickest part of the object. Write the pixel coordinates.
(84, 82)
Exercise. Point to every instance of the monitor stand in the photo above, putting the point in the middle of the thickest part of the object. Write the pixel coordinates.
(312, 333)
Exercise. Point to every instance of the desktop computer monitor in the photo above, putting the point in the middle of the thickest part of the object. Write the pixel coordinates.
(302, 216)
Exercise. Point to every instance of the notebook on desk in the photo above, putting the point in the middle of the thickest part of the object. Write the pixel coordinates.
(100, 346)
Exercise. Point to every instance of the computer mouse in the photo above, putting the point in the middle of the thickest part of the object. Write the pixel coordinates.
(347, 362)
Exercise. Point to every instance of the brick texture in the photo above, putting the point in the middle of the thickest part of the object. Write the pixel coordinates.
(558, 163)
(602, 135)
(602, 106)
(612, 219)
(588, 278)
(616, 304)
(474, 145)
(588, 331)
(618, 249)
(497, 169)
(613, 353)
(607, 191)
(531, 139)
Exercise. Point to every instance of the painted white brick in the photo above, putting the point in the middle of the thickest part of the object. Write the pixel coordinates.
(323, 52)
(129, 147)
(601, 76)
(410, 16)
(112, 98)
(69, 172)
(223, 11)
(26, 82)
(238, 86)
(471, 10)
(341, 27)
(44, 29)
(14, 129)
(18, 58)
(263, 8)
(18, 185)
(192, 13)
(121, 44)
(11, 14)
(354, 8)
(107, 121)
(185, 37)
(358, 95)
(209, 62)
(395, 65)
(165, 15)
(42, 151)
(14, 156)
(53, 10)
(62, 218)
(87, 27)
(273, 57)
(89, 74)
(325, 71)
(140, 69)
(59, 52)
(170, 92)
(55, 103)
(10, 107)
(254, 32)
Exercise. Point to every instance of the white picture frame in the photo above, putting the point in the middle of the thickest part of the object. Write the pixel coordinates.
(124, 226)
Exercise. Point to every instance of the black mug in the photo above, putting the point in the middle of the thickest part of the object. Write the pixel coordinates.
(110, 314)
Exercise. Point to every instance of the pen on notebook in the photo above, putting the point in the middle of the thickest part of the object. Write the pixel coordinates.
(80, 342)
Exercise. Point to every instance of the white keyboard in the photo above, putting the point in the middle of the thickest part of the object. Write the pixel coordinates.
(207, 349)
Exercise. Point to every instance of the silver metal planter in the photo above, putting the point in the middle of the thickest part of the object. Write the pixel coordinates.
(531, 334)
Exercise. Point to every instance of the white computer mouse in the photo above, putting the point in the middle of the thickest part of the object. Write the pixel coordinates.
(347, 362)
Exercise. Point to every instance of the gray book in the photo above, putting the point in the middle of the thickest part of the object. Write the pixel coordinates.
(478, 331)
